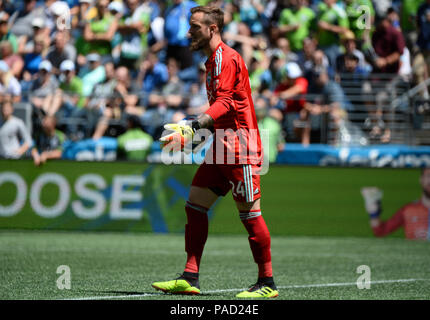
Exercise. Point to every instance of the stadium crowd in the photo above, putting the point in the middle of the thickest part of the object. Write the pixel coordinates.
(94, 68)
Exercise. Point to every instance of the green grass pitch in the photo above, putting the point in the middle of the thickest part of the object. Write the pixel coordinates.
(123, 266)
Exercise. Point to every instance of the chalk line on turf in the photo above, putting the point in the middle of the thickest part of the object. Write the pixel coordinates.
(316, 285)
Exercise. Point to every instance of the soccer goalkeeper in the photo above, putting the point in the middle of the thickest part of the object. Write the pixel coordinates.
(414, 216)
(231, 110)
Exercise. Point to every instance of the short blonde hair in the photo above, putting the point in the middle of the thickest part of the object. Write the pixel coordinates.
(212, 15)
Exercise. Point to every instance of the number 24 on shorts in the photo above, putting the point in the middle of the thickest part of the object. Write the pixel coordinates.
(239, 189)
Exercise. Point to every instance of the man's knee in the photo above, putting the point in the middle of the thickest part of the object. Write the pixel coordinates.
(248, 206)
(203, 197)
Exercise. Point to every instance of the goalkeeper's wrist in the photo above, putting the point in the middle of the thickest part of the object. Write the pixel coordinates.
(375, 215)
(195, 125)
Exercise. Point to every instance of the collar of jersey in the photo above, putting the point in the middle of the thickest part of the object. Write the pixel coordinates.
(214, 53)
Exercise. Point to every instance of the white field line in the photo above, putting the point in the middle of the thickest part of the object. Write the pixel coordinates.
(317, 285)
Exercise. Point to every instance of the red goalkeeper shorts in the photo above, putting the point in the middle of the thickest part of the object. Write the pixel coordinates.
(221, 178)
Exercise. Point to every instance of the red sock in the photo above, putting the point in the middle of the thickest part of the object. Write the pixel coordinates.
(196, 234)
(259, 241)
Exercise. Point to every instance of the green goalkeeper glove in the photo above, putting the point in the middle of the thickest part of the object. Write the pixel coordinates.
(372, 200)
(181, 135)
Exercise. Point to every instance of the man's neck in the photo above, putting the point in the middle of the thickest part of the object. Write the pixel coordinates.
(426, 201)
(213, 44)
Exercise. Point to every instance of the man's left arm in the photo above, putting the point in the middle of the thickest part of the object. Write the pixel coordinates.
(382, 228)
(226, 81)
(225, 85)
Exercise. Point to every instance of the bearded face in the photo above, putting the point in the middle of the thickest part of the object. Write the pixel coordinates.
(199, 32)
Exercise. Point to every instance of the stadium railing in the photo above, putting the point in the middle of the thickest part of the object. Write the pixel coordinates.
(383, 100)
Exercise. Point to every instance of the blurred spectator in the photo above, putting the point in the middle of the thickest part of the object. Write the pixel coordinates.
(14, 61)
(328, 99)
(381, 7)
(306, 57)
(356, 11)
(23, 23)
(296, 23)
(349, 68)
(152, 75)
(7, 6)
(97, 101)
(165, 104)
(231, 25)
(354, 79)
(71, 101)
(408, 21)
(33, 59)
(176, 27)
(284, 51)
(93, 74)
(394, 18)
(259, 73)
(171, 94)
(99, 32)
(73, 5)
(117, 10)
(332, 22)
(198, 101)
(15, 139)
(405, 69)
(9, 85)
(48, 143)
(58, 16)
(112, 111)
(239, 35)
(420, 52)
(133, 28)
(293, 90)
(249, 13)
(317, 64)
(61, 50)
(84, 13)
(126, 88)
(423, 24)
(26, 43)
(121, 101)
(71, 84)
(269, 123)
(103, 90)
(156, 31)
(43, 88)
(388, 44)
(152, 7)
(6, 34)
(134, 144)
(350, 47)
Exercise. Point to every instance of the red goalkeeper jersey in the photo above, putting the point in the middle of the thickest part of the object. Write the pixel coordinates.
(414, 217)
(232, 108)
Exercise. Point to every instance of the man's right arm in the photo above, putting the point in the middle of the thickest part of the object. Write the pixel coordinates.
(204, 121)
(382, 228)
(372, 202)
